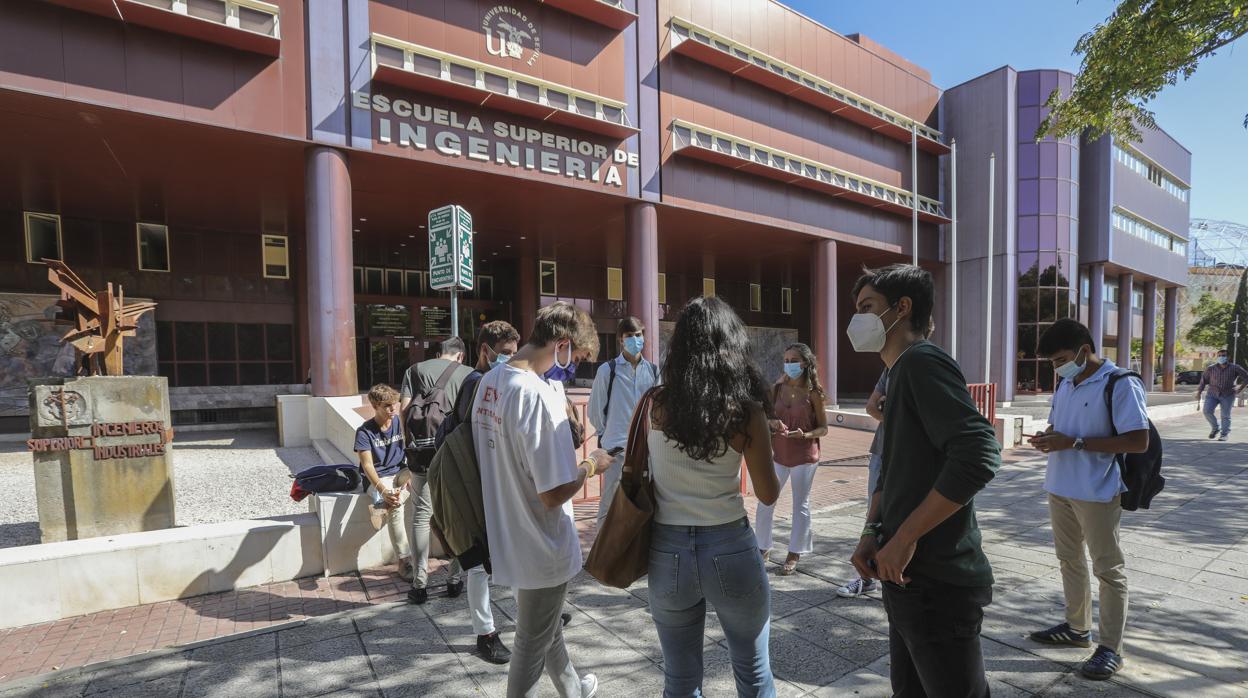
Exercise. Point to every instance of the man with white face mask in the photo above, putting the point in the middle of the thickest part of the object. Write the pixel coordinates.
(921, 539)
(1085, 487)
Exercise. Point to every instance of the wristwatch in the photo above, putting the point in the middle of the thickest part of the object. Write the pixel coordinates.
(1079, 443)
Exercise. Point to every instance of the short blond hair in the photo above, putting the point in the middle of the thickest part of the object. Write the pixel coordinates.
(382, 394)
(561, 320)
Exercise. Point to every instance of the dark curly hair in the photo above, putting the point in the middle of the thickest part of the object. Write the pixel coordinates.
(709, 380)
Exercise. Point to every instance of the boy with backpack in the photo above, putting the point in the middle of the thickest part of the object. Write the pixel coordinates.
(379, 445)
(1086, 487)
(428, 396)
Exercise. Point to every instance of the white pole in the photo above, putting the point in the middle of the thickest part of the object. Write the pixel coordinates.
(1235, 344)
(914, 192)
(953, 230)
(992, 186)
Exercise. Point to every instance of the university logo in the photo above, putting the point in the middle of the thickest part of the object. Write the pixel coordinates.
(510, 34)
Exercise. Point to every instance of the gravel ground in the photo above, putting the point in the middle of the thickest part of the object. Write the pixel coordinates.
(217, 476)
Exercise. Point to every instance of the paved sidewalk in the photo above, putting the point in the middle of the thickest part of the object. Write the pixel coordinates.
(1187, 632)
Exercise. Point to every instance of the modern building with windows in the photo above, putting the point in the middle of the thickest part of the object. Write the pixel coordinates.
(263, 171)
(1093, 229)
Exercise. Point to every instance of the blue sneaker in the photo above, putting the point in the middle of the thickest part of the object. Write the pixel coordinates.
(1063, 635)
(1103, 664)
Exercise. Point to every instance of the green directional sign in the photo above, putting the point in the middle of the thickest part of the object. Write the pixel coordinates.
(450, 248)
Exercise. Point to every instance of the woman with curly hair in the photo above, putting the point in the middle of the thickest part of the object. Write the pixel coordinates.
(800, 423)
(710, 411)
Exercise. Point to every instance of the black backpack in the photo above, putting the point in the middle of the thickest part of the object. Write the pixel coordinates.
(1141, 472)
(424, 416)
(326, 478)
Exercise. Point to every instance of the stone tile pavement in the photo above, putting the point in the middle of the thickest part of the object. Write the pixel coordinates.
(1187, 632)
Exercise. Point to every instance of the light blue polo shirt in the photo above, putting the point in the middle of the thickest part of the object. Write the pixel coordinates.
(1080, 411)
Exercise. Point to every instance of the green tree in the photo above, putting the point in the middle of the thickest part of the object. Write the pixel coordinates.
(1212, 318)
(1144, 46)
(1240, 352)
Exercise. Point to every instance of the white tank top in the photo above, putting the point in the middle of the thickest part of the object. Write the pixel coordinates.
(694, 492)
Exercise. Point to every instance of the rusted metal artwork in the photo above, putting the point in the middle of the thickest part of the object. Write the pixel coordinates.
(101, 320)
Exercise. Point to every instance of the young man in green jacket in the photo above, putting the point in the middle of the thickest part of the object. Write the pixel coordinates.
(921, 539)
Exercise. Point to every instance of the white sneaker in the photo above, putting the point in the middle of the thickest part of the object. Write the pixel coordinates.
(856, 588)
(1222, 437)
(589, 686)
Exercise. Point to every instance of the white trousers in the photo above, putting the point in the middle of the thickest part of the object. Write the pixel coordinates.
(479, 601)
(801, 537)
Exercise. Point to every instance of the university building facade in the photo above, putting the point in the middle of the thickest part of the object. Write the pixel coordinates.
(263, 170)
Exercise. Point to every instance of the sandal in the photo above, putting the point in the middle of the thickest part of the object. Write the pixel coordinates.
(790, 566)
(766, 555)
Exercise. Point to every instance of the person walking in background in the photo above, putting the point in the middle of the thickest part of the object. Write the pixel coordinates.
(710, 410)
(921, 539)
(875, 405)
(529, 475)
(618, 386)
(1085, 488)
(497, 342)
(428, 394)
(379, 446)
(1225, 381)
(799, 424)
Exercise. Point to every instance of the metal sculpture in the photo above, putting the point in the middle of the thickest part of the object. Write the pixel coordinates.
(101, 320)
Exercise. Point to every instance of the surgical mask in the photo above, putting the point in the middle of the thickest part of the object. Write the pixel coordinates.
(793, 370)
(867, 332)
(1070, 369)
(633, 345)
(562, 371)
(1222, 359)
(499, 359)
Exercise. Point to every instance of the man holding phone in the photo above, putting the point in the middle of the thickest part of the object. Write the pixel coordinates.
(618, 387)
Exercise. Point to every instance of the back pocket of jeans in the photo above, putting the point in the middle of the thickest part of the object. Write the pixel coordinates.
(664, 573)
(740, 574)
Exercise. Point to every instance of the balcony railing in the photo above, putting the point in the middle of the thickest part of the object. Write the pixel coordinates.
(609, 13)
(715, 49)
(410, 65)
(250, 25)
(740, 154)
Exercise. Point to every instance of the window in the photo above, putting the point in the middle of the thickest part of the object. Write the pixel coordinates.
(153, 246)
(786, 301)
(1151, 172)
(413, 283)
(225, 353)
(43, 237)
(484, 288)
(547, 271)
(708, 287)
(756, 298)
(662, 289)
(394, 282)
(374, 281)
(1138, 228)
(276, 256)
(615, 284)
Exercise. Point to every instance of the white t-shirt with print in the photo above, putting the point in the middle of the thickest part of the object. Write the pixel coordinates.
(524, 446)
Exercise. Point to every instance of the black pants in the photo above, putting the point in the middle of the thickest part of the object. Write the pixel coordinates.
(933, 639)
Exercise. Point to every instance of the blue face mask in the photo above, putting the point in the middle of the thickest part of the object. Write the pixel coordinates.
(633, 345)
(499, 359)
(562, 372)
(1071, 368)
(1222, 359)
(793, 370)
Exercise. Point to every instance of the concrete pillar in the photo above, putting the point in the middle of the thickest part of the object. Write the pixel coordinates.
(331, 294)
(642, 233)
(1096, 306)
(1126, 317)
(526, 313)
(1148, 355)
(824, 324)
(1170, 337)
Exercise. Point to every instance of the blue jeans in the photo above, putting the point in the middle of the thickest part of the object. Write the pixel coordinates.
(690, 565)
(1212, 402)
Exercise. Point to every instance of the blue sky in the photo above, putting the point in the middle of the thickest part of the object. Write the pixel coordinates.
(958, 40)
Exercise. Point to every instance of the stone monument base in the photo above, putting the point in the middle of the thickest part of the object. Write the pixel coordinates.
(102, 459)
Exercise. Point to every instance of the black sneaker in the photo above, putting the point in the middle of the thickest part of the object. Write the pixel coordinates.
(417, 596)
(1063, 635)
(1213, 434)
(1103, 664)
(454, 588)
(492, 649)
(565, 617)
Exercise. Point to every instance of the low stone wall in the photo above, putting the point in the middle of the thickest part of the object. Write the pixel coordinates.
(219, 397)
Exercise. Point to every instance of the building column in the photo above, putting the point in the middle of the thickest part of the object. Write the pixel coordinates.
(823, 320)
(1148, 354)
(642, 233)
(331, 293)
(1126, 317)
(1096, 306)
(1170, 337)
(526, 314)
